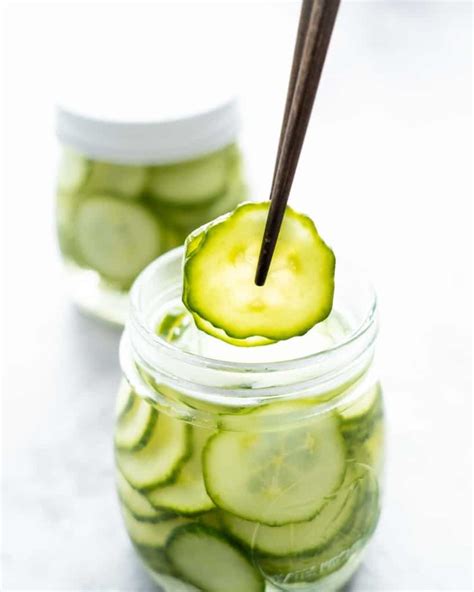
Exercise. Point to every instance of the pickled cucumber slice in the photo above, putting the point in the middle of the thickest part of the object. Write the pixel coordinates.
(200, 180)
(364, 405)
(313, 566)
(135, 429)
(361, 418)
(187, 494)
(173, 325)
(205, 558)
(151, 534)
(219, 276)
(74, 170)
(120, 180)
(136, 503)
(125, 400)
(301, 537)
(276, 477)
(160, 460)
(183, 219)
(116, 238)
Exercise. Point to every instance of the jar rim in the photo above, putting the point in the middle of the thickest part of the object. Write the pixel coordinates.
(138, 321)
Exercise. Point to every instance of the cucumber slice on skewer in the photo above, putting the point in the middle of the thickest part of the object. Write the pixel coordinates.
(219, 276)
(116, 238)
(205, 558)
(276, 477)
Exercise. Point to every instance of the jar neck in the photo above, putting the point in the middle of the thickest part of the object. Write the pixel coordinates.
(322, 375)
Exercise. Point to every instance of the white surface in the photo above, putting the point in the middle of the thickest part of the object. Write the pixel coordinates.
(385, 172)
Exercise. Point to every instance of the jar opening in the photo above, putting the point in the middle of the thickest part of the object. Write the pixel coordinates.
(320, 369)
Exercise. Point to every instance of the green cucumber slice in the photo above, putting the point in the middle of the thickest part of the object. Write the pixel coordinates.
(135, 429)
(200, 180)
(361, 418)
(205, 558)
(370, 451)
(116, 238)
(183, 219)
(159, 461)
(74, 170)
(155, 559)
(364, 405)
(187, 494)
(173, 325)
(298, 292)
(66, 208)
(276, 477)
(302, 537)
(212, 518)
(136, 503)
(313, 566)
(148, 533)
(126, 398)
(120, 180)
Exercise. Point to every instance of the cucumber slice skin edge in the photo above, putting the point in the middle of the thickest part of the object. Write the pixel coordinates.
(197, 301)
(186, 494)
(230, 506)
(162, 480)
(347, 511)
(145, 436)
(204, 530)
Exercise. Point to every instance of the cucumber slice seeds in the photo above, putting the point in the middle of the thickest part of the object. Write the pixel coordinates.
(219, 270)
(278, 477)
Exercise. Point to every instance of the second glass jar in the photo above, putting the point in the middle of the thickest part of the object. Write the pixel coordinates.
(119, 208)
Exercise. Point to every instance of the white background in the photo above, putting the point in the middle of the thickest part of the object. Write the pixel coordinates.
(384, 172)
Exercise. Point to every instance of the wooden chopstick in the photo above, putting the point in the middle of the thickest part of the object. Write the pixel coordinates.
(316, 24)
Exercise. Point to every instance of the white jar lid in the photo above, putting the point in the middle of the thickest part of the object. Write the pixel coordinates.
(159, 135)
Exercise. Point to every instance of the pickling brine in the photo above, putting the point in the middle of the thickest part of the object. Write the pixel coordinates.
(248, 469)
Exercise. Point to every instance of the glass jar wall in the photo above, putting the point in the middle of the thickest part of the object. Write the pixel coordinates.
(248, 468)
(121, 205)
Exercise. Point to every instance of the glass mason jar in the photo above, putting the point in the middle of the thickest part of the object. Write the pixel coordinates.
(128, 192)
(248, 468)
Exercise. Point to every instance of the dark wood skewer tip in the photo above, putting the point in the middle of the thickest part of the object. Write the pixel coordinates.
(314, 33)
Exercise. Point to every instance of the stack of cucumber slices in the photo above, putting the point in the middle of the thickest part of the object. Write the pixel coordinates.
(226, 510)
(117, 218)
